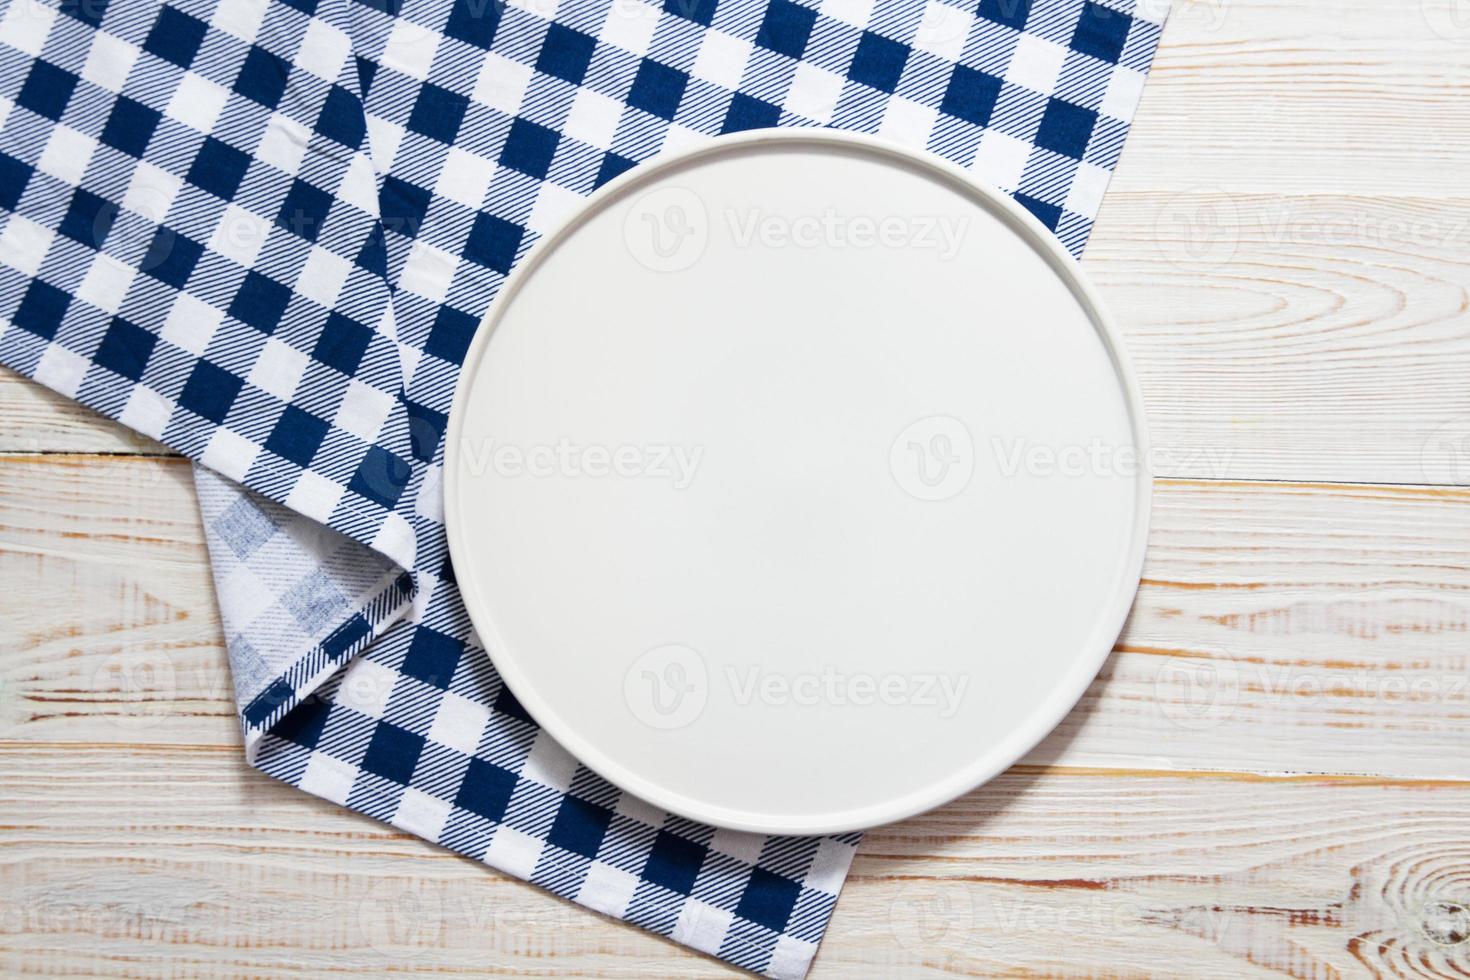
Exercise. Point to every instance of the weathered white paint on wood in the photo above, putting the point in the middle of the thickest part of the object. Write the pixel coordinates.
(1305, 628)
(1287, 241)
(1076, 872)
(34, 419)
(140, 860)
(110, 625)
(1286, 245)
(1271, 777)
(1317, 628)
(134, 822)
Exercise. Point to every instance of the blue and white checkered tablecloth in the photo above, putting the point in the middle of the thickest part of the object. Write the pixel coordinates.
(264, 231)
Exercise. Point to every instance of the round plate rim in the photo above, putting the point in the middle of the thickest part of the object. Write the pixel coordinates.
(1000, 755)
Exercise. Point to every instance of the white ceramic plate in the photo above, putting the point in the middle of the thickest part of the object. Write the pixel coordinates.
(795, 483)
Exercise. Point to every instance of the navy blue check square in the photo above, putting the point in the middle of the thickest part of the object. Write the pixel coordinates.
(1066, 128)
(341, 119)
(1101, 32)
(88, 218)
(342, 344)
(529, 148)
(393, 753)
(14, 175)
(438, 113)
(433, 657)
(41, 309)
(786, 28)
(878, 62)
(580, 827)
(260, 302)
(218, 168)
(1011, 13)
(674, 862)
(297, 435)
(486, 790)
(176, 36)
(263, 78)
(565, 54)
(130, 126)
(210, 391)
(125, 349)
(657, 89)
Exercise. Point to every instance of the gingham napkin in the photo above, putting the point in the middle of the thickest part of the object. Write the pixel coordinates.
(264, 231)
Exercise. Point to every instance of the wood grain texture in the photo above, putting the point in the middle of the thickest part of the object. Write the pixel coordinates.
(1287, 242)
(1286, 246)
(1336, 613)
(111, 630)
(1050, 872)
(1313, 629)
(1271, 777)
(120, 859)
(36, 419)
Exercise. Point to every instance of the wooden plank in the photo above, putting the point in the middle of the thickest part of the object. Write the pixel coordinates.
(117, 858)
(111, 629)
(1358, 98)
(1286, 244)
(35, 419)
(1296, 338)
(1128, 873)
(1305, 628)
(1290, 627)
(1285, 247)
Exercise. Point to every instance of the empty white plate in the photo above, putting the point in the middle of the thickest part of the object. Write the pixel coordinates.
(796, 484)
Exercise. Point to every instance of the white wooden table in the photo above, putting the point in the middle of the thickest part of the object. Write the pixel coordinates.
(1271, 775)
